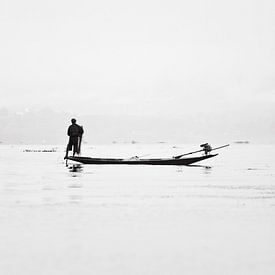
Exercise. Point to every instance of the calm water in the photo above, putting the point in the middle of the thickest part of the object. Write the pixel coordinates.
(214, 219)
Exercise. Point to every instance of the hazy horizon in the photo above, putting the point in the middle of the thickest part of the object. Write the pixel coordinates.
(47, 126)
(205, 59)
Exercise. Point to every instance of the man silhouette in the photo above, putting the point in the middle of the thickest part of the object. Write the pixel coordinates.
(75, 133)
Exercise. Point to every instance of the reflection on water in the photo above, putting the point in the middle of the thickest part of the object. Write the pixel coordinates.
(75, 199)
(76, 170)
(197, 165)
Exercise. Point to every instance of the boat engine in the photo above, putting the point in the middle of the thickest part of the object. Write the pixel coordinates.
(206, 147)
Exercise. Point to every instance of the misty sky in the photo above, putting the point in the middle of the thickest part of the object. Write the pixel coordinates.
(137, 57)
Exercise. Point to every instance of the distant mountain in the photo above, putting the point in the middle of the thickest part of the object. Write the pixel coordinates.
(50, 127)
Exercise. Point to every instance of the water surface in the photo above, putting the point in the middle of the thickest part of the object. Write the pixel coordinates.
(217, 218)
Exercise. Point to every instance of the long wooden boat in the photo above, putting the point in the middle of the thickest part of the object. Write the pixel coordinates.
(140, 161)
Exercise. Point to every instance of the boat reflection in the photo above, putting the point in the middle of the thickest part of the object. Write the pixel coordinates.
(196, 165)
(206, 169)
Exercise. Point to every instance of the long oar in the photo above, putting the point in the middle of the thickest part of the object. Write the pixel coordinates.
(79, 145)
(80, 140)
(179, 156)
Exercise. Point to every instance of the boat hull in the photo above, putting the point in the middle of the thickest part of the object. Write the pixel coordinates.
(168, 161)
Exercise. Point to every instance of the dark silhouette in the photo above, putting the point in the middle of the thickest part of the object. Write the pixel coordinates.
(75, 133)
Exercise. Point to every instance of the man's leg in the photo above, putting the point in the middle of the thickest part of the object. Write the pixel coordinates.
(75, 148)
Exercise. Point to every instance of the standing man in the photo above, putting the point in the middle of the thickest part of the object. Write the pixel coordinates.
(75, 133)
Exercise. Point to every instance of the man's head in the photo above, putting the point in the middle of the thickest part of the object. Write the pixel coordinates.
(73, 120)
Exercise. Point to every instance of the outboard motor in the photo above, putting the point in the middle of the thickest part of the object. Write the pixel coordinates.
(206, 147)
